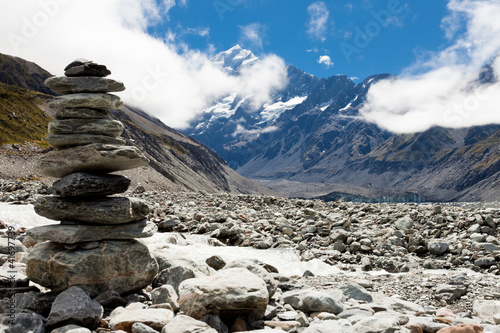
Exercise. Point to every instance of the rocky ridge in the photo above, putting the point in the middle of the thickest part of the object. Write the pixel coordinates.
(401, 267)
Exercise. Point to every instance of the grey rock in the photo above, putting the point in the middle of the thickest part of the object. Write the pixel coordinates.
(124, 318)
(83, 67)
(88, 184)
(376, 324)
(74, 233)
(110, 299)
(74, 306)
(11, 246)
(186, 324)
(71, 85)
(173, 276)
(216, 262)
(329, 326)
(486, 310)
(108, 210)
(165, 294)
(437, 248)
(310, 300)
(123, 266)
(72, 140)
(109, 127)
(287, 315)
(84, 100)
(22, 323)
(142, 328)
(81, 113)
(485, 262)
(404, 223)
(354, 313)
(71, 329)
(450, 292)
(257, 270)
(234, 291)
(397, 304)
(427, 324)
(96, 157)
(355, 291)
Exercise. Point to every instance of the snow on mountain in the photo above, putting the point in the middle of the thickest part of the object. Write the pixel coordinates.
(271, 112)
(234, 59)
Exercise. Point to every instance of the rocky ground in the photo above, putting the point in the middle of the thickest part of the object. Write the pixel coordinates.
(402, 268)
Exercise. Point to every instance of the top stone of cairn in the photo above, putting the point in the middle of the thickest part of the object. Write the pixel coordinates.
(84, 67)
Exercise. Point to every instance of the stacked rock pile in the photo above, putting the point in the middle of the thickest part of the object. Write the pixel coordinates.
(94, 246)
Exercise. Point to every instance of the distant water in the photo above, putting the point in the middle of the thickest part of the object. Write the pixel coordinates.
(404, 198)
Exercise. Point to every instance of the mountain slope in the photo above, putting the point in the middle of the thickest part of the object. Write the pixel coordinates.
(178, 162)
(321, 145)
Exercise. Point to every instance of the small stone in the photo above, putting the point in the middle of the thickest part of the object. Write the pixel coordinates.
(186, 324)
(24, 322)
(73, 140)
(404, 223)
(82, 184)
(485, 262)
(216, 262)
(83, 67)
(81, 113)
(108, 127)
(102, 158)
(165, 294)
(71, 329)
(142, 328)
(71, 85)
(70, 234)
(110, 299)
(108, 210)
(355, 291)
(462, 328)
(437, 248)
(310, 300)
(85, 100)
(124, 318)
(74, 306)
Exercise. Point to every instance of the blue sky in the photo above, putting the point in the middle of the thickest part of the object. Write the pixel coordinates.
(162, 50)
(283, 27)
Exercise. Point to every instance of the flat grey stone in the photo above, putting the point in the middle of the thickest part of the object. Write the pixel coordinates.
(122, 266)
(74, 306)
(108, 210)
(86, 100)
(89, 184)
(96, 157)
(81, 113)
(73, 140)
(72, 85)
(70, 234)
(113, 128)
(310, 300)
(83, 67)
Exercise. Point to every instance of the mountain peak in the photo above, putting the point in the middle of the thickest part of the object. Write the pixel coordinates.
(235, 59)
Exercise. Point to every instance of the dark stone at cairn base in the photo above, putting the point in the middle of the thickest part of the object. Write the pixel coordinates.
(70, 234)
(107, 210)
(122, 266)
(102, 158)
(89, 184)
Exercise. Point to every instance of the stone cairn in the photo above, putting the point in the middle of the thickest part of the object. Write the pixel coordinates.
(94, 245)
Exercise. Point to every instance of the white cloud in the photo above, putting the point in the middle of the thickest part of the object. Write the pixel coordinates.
(202, 32)
(251, 35)
(318, 20)
(442, 89)
(325, 60)
(162, 77)
(255, 133)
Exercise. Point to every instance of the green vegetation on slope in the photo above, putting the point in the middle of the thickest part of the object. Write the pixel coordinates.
(20, 117)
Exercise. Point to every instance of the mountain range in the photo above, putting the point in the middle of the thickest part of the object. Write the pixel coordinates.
(178, 162)
(310, 141)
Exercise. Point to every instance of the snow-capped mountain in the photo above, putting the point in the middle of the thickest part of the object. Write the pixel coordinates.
(311, 140)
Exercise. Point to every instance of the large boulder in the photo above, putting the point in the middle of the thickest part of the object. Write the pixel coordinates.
(109, 210)
(257, 270)
(231, 291)
(123, 266)
(102, 158)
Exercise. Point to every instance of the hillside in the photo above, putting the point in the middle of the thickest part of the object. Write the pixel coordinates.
(178, 163)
